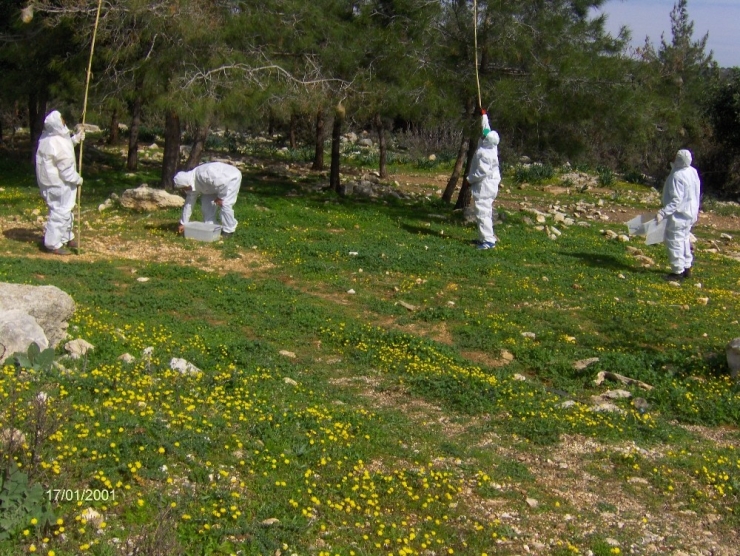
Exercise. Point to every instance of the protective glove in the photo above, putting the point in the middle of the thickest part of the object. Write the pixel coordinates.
(483, 111)
(78, 137)
(79, 181)
(659, 217)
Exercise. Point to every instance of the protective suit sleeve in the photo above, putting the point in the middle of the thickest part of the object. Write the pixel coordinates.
(78, 137)
(481, 168)
(67, 171)
(673, 196)
(187, 208)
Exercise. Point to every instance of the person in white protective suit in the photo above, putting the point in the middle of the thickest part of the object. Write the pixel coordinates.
(681, 210)
(56, 174)
(484, 178)
(218, 185)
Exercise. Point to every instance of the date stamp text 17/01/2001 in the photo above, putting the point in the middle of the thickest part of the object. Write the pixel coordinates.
(80, 495)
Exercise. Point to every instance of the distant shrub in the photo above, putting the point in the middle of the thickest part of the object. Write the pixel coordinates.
(634, 176)
(534, 173)
(605, 176)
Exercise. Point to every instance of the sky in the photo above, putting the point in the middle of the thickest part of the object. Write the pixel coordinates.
(721, 18)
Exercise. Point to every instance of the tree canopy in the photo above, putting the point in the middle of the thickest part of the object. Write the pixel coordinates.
(557, 85)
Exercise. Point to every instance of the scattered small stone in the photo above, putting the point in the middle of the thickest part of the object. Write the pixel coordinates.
(616, 394)
(286, 353)
(407, 306)
(142, 279)
(351, 292)
(621, 378)
(78, 348)
(702, 300)
(727, 237)
(583, 363)
(610, 234)
(12, 439)
(530, 335)
(567, 404)
(183, 366)
(519, 377)
(607, 407)
(288, 380)
(127, 358)
(532, 503)
(92, 516)
(270, 521)
(507, 355)
(641, 404)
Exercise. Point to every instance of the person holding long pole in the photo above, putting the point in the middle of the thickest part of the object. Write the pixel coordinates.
(59, 181)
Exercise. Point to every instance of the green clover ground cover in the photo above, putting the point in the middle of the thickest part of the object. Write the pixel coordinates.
(381, 436)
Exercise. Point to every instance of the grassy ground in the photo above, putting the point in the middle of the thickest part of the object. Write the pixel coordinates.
(435, 410)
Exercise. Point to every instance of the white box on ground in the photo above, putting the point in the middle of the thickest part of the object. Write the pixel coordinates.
(201, 231)
(655, 232)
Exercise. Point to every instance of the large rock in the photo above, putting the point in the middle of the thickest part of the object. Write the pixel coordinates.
(50, 306)
(733, 357)
(144, 198)
(18, 330)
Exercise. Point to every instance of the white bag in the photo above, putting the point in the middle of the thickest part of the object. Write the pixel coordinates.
(636, 226)
(655, 231)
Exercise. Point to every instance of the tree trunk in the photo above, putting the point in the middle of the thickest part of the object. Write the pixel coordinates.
(318, 157)
(113, 132)
(199, 144)
(465, 197)
(132, 160)
(171, 157)
(381, 145)
(292, 130)
(336, 134)
(36, 117)
(452, 183)
(271, 124)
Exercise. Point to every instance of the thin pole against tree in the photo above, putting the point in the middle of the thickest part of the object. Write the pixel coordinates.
(475, 47)
(84, 115)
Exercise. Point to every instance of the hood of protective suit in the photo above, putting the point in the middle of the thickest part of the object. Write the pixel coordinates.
(54, 125)
(683, 159)
(491, 139)
(184, 179)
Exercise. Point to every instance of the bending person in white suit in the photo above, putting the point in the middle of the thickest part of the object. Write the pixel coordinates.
(218, 183)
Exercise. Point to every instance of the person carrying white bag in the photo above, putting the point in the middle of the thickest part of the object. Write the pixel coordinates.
(681, 194)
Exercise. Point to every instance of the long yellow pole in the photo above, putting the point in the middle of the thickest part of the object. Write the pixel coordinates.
(84, 115)
(475, 42)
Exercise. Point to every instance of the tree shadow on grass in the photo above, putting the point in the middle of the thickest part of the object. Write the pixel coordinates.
(420, 230)
(26, 235)
(600, 260)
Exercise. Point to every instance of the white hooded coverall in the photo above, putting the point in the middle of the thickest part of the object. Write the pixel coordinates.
(681, 209)
(212, 180)
(56, 174)
(484, 177)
